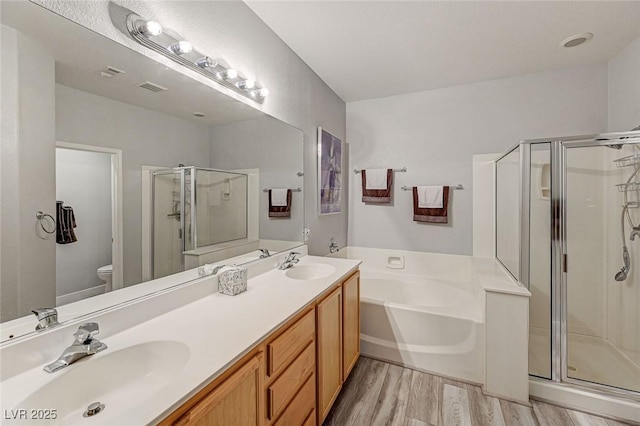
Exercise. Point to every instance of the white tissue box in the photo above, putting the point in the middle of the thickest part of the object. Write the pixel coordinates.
(232, 282)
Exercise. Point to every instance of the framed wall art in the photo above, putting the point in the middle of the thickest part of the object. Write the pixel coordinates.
(329, 173)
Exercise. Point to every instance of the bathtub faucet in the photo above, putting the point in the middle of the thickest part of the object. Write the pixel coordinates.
(291, 260)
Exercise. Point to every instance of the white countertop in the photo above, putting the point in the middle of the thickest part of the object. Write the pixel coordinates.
(211, 333)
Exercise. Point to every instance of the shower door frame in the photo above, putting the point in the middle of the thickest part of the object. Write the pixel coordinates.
(179, 171)
(559, 269)
(193, 234)
(558, 219)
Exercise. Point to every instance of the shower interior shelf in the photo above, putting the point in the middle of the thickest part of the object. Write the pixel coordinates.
(629, 160)
(631, 186)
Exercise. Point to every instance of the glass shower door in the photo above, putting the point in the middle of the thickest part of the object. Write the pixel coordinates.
(602, 283)
(540, 324)
(172, 233)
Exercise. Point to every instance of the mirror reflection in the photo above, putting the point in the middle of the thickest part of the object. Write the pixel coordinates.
(142, 171)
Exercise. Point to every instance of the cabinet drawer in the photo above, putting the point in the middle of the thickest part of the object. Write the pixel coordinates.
(303, 403)
(288, 344)
(311, 420)
(283, 388)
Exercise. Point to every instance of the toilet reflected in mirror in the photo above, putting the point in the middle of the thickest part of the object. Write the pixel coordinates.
(105, 273)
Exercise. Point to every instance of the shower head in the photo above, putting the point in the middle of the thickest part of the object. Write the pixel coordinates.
(622, 274)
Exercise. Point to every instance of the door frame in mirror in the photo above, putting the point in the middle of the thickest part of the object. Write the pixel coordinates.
(117, 215)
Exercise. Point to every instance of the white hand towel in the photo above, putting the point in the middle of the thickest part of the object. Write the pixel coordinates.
(430, 197)
(279, 197)
(376, 179)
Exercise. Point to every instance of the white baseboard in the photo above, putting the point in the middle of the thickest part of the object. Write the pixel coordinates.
(79, 295)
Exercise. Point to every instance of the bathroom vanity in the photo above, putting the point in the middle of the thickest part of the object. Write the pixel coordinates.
(275, 354)
(276, 382)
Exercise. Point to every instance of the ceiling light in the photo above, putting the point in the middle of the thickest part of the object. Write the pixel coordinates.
(181, 47)
(149, 28)
(246, 84)
(576, 40)
(206, 62)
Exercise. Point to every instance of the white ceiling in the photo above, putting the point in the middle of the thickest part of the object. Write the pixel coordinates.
(365, 49)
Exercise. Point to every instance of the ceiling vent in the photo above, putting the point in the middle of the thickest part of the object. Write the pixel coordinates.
(153, 87)
(109, 72)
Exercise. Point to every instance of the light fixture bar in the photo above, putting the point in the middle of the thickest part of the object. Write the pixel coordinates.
(170, 45)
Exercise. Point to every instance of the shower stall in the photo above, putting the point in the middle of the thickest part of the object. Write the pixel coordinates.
(567, 218)
(194, 207)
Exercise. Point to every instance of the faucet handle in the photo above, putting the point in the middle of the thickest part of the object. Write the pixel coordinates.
(47, 317)
(85, 332)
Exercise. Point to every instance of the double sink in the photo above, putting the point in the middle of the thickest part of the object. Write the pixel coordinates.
(145, 363)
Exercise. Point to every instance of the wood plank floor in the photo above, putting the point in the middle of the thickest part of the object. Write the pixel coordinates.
(379, 393)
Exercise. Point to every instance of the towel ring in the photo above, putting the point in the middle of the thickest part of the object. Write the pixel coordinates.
(41, 216)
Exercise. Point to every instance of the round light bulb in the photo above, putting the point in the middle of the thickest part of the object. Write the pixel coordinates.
(149, 28)
(230, 74)
(206, 62)
(246, 84)
(181, 47)
(153, 28)
(261, 93)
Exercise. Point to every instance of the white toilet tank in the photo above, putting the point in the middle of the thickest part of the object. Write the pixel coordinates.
(105, 273)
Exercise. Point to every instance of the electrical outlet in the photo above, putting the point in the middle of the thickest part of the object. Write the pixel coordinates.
(306, 232)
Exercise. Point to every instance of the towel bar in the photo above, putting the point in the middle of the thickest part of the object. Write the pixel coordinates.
(292, 189)
(402, 170)
(457, 187)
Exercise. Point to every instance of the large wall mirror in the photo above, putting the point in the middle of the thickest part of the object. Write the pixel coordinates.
(139, 172)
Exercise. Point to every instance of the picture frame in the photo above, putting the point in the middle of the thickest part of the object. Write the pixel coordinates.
(329, 173)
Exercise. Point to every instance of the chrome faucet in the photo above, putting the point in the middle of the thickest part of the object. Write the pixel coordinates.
(265, 253)
(291, 260)
(333, 246)
(47, 318)
(85, 344)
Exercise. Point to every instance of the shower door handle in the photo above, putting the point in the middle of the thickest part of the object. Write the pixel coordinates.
(180, 233)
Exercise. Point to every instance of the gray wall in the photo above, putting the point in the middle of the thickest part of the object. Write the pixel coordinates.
(274, 148)
(624, 89)
(435, 133)
(27, 175)
(230, 30)
(145, 137)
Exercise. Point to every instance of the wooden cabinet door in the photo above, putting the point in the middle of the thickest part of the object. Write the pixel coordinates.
(329, 346)
(235, 402)
(350, 323)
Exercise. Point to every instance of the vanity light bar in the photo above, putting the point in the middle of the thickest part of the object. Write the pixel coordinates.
(169, 44)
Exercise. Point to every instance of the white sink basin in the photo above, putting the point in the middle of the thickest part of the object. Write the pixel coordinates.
(313, 271)
(145, 369)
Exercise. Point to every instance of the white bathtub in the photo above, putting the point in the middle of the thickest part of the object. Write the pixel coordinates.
(427, 315)
(430, 325)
